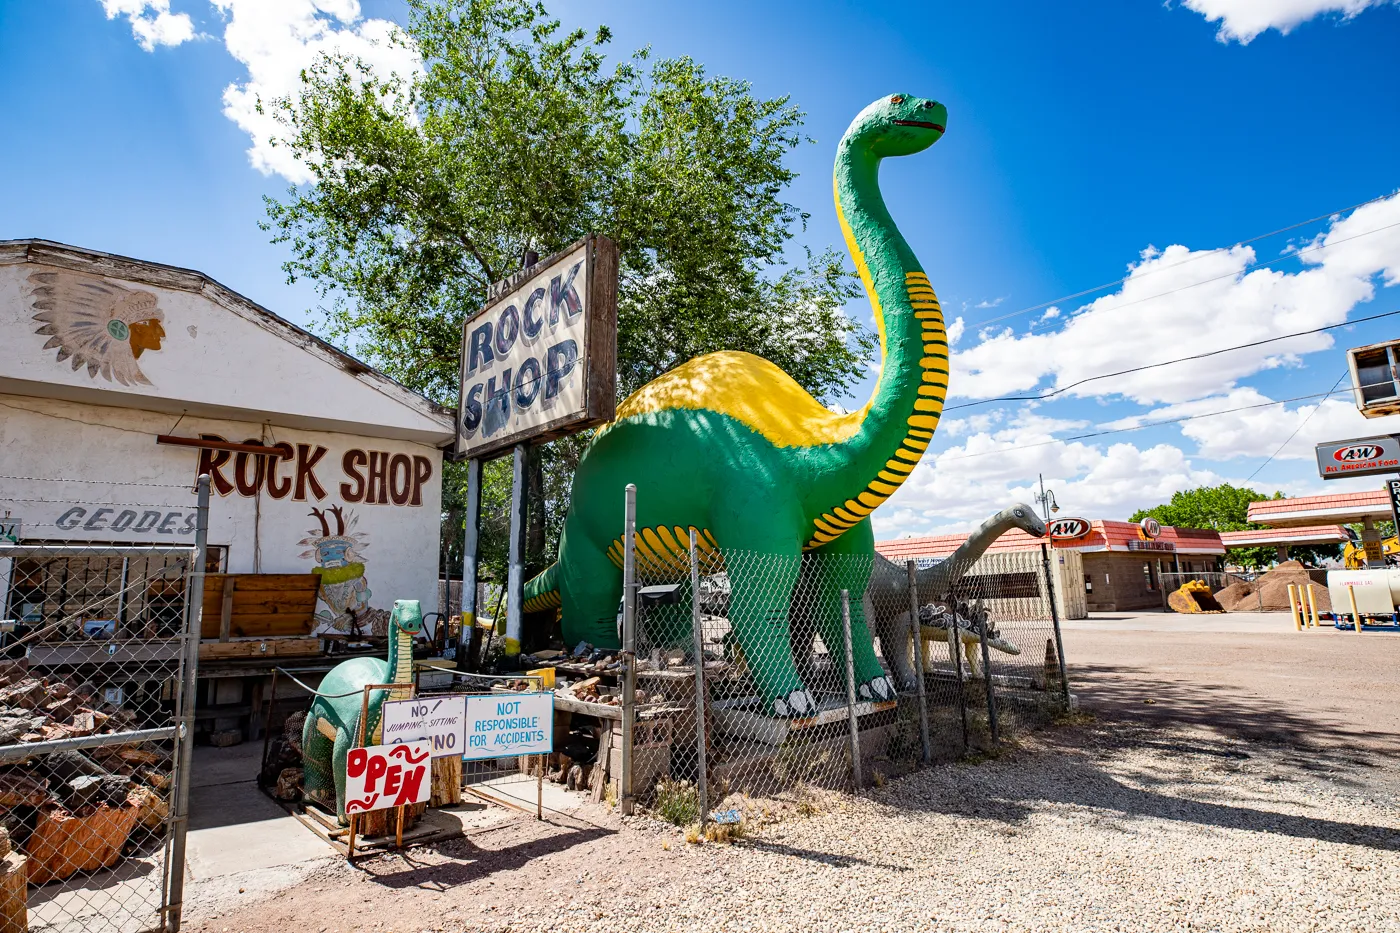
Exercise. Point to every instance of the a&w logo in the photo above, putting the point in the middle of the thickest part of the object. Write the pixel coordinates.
(1067, 529)
(1357, 453)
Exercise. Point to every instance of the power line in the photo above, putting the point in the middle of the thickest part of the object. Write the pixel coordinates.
(1140, 427)
(1300, 426)
(1199, 256)
(1183, 359)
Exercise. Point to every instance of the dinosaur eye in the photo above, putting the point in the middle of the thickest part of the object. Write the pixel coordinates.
(930, 104)
(897, 99)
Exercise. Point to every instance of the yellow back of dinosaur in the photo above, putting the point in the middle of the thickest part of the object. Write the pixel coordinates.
(750, 390)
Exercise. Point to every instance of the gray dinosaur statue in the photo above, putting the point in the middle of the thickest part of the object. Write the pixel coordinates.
(887, 597)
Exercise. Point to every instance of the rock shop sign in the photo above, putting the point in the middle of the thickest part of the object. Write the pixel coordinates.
(539, 361)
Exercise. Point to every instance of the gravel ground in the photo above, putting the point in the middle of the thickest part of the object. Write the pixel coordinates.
(1103, 825)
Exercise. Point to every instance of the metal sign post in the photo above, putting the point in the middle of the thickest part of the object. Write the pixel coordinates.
(539, 361)
(515, 570)
(470, 544)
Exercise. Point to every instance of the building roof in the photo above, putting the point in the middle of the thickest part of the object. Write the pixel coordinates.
(216, 353)
(1314, 510)
(1103, 536)
(1303, 534)
(902, 549)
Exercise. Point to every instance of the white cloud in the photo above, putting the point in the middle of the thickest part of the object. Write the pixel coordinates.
(955, 331)
(1176, 302)
(152, 23)
(1258, 431)
(275, 40)
(958, 488)
(984, 303)
(1243, 20)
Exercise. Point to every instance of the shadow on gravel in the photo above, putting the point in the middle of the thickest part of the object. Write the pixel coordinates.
(463, 861)
(812, 855)
(1123, 692)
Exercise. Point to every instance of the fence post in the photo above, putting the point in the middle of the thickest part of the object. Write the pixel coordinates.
(851, 691)
(1055, 621)
(184, 736)
(956, 650)
(629, 645)
(917, 630)
(702, 785)
(987, 679)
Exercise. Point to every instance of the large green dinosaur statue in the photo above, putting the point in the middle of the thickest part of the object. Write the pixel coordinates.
(732, 446)
(333, 722)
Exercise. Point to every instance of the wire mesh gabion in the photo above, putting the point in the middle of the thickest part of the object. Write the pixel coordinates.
(90, 701)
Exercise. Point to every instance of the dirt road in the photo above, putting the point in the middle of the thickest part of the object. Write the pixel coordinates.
(1248, 676)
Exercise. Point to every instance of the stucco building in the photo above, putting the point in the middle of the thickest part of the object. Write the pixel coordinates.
(122, 380)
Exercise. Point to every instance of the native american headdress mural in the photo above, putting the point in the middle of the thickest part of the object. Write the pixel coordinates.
(96, 323)
(339, 553)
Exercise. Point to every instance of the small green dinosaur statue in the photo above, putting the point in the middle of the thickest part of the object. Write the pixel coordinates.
(730, 445)
(333, 722)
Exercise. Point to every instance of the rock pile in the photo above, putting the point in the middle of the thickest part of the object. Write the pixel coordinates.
(74, 810)
(1269, 592)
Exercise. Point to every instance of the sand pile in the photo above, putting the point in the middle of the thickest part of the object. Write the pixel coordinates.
(1272, 590)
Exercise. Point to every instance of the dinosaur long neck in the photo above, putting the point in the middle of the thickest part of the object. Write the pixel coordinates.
(400, 656)
(898, 421)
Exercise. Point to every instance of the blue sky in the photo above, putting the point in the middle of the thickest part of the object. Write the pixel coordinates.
(1084, 140)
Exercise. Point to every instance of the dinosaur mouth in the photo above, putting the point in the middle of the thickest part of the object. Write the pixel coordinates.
(927, 126)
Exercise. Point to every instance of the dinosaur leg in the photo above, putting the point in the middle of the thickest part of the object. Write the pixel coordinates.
(341, 751)
(318, 784)
(845, 565)
(590, 588)
(896, 639)
(761, 579)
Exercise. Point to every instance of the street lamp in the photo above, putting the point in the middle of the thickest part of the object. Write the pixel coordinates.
(1046, 499)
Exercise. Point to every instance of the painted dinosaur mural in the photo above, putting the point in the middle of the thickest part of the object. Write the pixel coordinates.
(333, 722)
(731, 445)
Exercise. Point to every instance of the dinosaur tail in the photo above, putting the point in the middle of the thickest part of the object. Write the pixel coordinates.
(542, 591)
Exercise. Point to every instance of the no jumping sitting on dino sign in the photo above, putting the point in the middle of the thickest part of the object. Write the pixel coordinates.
(731, 446)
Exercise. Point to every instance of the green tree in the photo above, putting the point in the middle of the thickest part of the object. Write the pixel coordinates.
(519, 136)
(1226, 508)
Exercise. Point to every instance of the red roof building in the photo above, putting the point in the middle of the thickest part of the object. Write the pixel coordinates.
(1118, 566)
(1315, 510)
(1283, 537)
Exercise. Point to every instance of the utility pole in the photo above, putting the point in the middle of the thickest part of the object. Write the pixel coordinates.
(1046, 499)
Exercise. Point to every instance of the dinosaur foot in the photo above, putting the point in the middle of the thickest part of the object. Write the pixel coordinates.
(795, 705)
(881, 688)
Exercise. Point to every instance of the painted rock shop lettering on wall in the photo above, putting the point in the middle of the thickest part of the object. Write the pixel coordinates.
(520, 357)
(373, 477)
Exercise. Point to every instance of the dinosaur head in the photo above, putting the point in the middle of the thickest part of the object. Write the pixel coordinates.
(898, 125)
(408, 616)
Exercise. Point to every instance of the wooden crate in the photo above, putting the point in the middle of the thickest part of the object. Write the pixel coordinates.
(259, 605)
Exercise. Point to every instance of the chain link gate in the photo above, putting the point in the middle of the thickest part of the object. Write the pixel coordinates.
(708, 747)
(96, 710)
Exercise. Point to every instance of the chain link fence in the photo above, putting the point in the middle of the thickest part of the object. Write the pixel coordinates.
(93, 690)
(812, 676)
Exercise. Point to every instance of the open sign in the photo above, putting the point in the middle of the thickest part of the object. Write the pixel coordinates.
(1067, 529)
(384, 776)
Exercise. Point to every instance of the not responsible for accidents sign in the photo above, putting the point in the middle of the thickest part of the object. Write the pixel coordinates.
(512, 724)
(1363, 456)
(437, 720)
